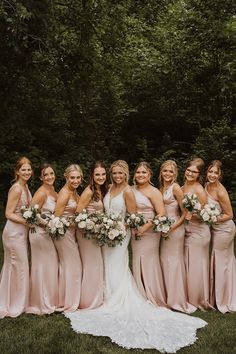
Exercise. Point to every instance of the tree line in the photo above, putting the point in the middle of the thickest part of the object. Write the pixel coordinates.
(132, 79)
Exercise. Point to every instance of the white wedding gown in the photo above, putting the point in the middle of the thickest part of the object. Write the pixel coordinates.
(126, 317)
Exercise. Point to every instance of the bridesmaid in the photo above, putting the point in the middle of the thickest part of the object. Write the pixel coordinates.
(223, 263)
(14, 283)
(197, 240)
(172, 249)
(70, 269)
(91, 254)
(44, 262)
(146, 263)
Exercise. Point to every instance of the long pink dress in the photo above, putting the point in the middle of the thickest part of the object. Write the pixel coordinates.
(172, 259)
(146, 263)
(92, 267)
(223, 264)
(14, 283)
(197, 241)
(70, 268)
(44, 268)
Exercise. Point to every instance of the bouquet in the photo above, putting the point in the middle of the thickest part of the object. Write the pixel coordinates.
(209, 214)
(191, 203)
(31, 215)
(134, 221)
(90, 223)
(162, 224)
(112, 231)
(57, 226)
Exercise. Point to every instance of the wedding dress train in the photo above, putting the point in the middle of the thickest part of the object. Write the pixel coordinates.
(126, 317)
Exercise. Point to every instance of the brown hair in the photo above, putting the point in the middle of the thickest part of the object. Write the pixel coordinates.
(104, 188)
(19, 163)
(147, 166)
(200, 164)
(43, 167)
(175, 168)
(123, 165)
(218, 165)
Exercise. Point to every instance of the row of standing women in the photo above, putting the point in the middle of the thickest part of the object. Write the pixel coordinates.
(68, 273)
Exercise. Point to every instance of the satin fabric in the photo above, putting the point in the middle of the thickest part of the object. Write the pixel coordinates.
(70, 268)
(92, 266)
(126, 317)
(14, 283)
(172, 259)
(197, 241)
(43, 297)
(146, 266)
(223, 264)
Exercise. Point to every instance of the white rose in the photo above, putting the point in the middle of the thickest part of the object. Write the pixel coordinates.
(27, 214)
(36, 206)
(61, 231)
(82, 224)
(162, 218)
(113, 234)
(165, 228)
(132, 216)
(205, 217)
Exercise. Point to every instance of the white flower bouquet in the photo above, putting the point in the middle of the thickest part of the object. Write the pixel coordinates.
(31, 215)
(57, 226)
(162, 224)
(90, 223)
(134, 221)
(112, 231)
(191, 203)
(209, 214)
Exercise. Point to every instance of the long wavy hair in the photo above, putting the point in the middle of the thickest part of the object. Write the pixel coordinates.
(92, 184)
(123, 165)
(19, 163)
(218, 165)
(171, 163)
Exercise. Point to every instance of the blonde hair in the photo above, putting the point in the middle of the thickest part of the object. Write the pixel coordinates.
(147, 166)
(218, 165)
(19, 163)
(123, 165)
(171, 163)
(71, 168)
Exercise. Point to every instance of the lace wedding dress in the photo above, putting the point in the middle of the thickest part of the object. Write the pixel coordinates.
(126, 317)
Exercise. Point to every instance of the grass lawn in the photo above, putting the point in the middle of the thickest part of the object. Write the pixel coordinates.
(52, 334)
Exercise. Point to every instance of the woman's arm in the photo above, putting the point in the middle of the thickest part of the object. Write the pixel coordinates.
(179, 195)
(227, 211)
(130, 201)
(61, 203)
(84, 200)
(14, 195)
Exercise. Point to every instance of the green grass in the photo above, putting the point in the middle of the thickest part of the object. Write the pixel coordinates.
(53, 334)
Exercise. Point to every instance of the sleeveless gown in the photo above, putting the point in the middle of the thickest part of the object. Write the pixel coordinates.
(197, 241)
(14, 282)
(43, 297)
(70, 269)
(145, 256)
(172, 259)
(126, 317)
(92, 266)
(223, 264)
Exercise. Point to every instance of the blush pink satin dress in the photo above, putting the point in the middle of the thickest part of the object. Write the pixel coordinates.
(146, 266)
(92, 267)
(43, 297)
(70, 268)
(14, 282)
(223, 264)
(172, 259)
(197, 241)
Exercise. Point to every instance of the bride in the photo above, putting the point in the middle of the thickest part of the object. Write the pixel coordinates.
(125, 316)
